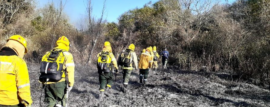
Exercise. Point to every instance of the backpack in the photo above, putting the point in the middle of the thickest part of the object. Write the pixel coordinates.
(155, 56)
(51, 69)
(125, 59)
(104, 61)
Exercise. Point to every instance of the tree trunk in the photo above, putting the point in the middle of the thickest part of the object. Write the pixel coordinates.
(99, 28)
(91, 51)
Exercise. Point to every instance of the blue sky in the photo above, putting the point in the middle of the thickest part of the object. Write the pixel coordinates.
(76, 9)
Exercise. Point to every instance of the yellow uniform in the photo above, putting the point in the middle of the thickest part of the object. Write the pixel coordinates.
(14, 77)
(113, 60)
(68, 65)
(150, 49)
(155, 59)
(128, 66)
(55, 91)
(145, 64)
(105, 78)
(145, 61)
(14, 80)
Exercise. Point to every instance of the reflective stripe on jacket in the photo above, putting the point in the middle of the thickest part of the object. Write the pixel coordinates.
(14, 81)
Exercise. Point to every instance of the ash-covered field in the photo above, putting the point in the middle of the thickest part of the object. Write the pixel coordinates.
(166, 88)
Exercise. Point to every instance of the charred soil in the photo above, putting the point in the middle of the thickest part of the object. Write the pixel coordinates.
(165, 88)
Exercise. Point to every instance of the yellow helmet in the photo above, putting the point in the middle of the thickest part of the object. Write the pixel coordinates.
(131, 47)
(143, 50)
(154, 48)
(64, 40)
(20, 39)
(150, 48)
(107, 43)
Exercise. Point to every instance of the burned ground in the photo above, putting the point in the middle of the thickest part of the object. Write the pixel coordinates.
(166, 88)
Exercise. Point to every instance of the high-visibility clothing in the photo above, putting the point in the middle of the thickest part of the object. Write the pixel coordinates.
(156, 54)
(150, 50)
(133, 59)
(145, 61)
(14, 80)
(69, 64)
(152, 58)
(155, 64)
(113, 60)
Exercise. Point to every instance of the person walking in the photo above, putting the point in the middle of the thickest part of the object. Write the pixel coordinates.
(106, 62)
(56, 90)
(14, 78)
(155, 58)
(165, 56)
(144, 64)
(152, 57)
(127, 60)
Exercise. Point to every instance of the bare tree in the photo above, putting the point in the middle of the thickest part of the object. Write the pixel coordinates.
(56, 21)
(95, 30)
(9, 8)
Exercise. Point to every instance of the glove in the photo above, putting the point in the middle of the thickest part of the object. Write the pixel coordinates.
(116, 71)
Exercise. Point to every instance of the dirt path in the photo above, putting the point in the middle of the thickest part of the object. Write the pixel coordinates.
(167, 88)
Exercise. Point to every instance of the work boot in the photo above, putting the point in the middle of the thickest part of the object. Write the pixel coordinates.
(144, 82)
(125, 85)
(125, 88)
(156, 71)
(141, 78)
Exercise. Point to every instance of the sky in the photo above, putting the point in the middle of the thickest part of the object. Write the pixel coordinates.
(76, 9)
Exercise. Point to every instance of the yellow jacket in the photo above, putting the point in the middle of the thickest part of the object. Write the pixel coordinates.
(68, 65)
(145, 61)
(14, 81)
(152, 57)
(113, 60)
(155, 53)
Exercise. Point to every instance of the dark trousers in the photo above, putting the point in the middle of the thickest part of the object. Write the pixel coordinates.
(55, 93)
(144, 75)
(164, 62)
(126, 75)
(105, 78)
